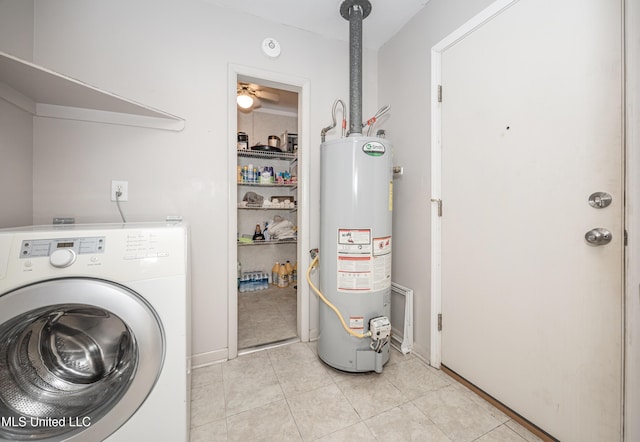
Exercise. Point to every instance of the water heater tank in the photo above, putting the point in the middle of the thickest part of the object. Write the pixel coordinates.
(355, 248)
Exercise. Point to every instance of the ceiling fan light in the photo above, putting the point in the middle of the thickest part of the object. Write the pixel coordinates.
(244, 100)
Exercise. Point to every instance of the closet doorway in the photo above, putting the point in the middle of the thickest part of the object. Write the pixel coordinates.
(268, 303)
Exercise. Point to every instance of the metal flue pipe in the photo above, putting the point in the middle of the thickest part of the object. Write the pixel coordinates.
(355, 11)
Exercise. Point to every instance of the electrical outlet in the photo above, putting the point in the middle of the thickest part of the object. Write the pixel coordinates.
(122, 186)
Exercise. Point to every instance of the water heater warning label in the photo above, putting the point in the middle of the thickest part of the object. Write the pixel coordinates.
(364, 263)
(382, 263)
(356, 322)
(382, 246)
(354, 241)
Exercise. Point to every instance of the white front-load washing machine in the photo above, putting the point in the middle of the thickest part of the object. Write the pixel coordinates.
(95, 333)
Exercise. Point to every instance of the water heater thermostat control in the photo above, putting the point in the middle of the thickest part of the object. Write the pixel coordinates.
(380, 328)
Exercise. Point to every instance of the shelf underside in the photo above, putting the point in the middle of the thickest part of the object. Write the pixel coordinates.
(46, 93)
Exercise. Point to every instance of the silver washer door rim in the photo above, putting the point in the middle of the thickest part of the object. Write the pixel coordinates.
(134, 311)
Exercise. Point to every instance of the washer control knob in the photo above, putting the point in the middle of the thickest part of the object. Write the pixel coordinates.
(62, 258)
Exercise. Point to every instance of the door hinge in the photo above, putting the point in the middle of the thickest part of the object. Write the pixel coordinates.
(439, 321)
(439, 93)
(626, 238)
(439, 201)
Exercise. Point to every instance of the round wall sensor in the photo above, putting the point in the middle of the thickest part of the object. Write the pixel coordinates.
(271, 47)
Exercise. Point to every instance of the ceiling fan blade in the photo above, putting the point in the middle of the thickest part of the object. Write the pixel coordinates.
(269, 96)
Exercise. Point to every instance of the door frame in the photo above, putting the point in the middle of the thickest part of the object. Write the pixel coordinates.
(435, 352)
(302, 87)
(631, 426)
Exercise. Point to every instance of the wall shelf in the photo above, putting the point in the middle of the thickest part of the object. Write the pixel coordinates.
(268, 208)
(248, 153)
(268, 243)
(293, 185)
(45, 93)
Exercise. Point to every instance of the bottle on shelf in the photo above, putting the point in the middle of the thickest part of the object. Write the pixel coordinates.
(289, 269)
(265, 176)
(258, 236)
(294, 274)
(274, 273)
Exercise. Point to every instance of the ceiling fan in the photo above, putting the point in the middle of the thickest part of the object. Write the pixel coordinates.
(249, 96)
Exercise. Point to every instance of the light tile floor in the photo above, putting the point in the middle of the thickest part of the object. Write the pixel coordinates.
(266, 316)
(288, 394)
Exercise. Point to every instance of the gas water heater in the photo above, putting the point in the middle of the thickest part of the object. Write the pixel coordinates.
(355, 246)
(356, 201)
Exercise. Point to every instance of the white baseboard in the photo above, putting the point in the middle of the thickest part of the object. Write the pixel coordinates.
(209, 358)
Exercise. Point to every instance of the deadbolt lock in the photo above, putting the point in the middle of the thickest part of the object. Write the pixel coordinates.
(600, 200)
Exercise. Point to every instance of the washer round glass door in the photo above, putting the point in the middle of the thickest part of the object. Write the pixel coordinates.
(77, 358)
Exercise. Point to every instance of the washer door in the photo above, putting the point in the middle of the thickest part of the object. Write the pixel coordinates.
(77, 359)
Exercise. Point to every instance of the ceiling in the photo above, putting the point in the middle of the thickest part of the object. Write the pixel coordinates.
(323, 16)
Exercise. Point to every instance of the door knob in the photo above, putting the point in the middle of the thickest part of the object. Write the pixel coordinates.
(598, 236)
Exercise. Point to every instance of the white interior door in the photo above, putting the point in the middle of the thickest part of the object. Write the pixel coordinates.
(531, 127)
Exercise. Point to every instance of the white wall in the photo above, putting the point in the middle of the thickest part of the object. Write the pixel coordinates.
(16, 166)
(404, 83)
(16, 28)
(260, 124)
(173, 55)
(16, 126)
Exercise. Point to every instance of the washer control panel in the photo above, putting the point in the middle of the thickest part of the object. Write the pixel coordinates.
(125, 253)
(68, 246)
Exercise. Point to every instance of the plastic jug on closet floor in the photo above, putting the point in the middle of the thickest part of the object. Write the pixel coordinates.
(283, 277)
